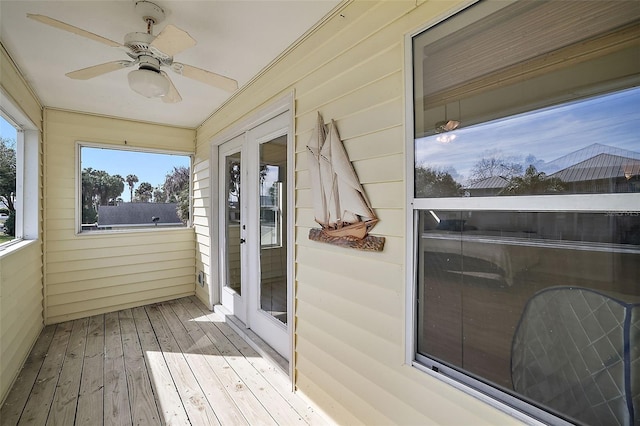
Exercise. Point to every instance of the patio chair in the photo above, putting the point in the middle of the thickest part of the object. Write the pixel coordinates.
(577, 351)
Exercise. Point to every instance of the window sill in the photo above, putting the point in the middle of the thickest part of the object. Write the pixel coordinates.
(132, 231)
(11, 247)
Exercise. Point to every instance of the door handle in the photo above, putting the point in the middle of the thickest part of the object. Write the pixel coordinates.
(242, 240)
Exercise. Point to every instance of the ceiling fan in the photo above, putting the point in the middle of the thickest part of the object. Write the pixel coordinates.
(149, 53)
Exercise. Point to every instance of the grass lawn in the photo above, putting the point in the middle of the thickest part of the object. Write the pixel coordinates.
(5, 238)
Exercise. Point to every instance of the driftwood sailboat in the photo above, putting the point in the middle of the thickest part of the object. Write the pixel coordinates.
(340, 204)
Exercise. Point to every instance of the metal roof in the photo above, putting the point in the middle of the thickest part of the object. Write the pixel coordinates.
(602, 166)
(138, 214)
(493, 182)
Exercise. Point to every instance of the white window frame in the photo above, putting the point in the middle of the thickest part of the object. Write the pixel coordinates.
(27, 202)
(150, 228)
(534, 203)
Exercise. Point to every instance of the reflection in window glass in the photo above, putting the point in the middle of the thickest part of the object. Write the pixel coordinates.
(124, 189)
(270, 206)
(589, 146)
(233, 236)
(533, 303)
(273, 250)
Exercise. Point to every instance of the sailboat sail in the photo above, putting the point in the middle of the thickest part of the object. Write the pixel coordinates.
(313, 161)
(340, 204)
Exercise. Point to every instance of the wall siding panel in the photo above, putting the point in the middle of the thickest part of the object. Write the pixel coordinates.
(202, 220)
(21, 316)
(350, 305)
(87, 274)
(18, 90)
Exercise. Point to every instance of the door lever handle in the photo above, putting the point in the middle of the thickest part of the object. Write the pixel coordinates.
(242, 240)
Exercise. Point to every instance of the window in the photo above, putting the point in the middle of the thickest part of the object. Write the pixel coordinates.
(125, 189)
(19, 173)
(8, 147)
(526, 206)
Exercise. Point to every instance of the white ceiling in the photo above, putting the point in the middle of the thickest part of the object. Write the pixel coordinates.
(236, 38)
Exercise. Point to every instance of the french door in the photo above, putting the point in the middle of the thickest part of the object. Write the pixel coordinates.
(254, 249)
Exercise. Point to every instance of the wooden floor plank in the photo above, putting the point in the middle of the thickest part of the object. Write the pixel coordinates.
(279, 381)
(251, 382)
(116, 394)
(173, 363)
(167, 397)
(37, 408)
(141, 400)
(90, 401)
(228, 409)
(192, 396)
(65, 400)
(255, 376)
(11, 410)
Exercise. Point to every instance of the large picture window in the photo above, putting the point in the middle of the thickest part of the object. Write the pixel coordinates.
(526, 205)
(125, 189)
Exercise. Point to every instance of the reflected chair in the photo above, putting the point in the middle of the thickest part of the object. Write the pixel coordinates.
(577, 351)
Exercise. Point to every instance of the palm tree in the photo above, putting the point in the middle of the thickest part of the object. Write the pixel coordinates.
(144, 193)
(131, 180)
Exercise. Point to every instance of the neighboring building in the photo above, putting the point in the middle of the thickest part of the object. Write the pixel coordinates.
(138, 214)
(603, 173)
(487, 187)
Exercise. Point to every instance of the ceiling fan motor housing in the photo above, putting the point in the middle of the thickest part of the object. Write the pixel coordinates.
(138, 45)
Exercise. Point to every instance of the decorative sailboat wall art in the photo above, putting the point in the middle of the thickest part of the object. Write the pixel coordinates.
(340, 204)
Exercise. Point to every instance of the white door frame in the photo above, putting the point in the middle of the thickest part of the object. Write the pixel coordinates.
(283, 105)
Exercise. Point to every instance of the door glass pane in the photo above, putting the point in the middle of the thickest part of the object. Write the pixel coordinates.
(232, 225)
(273, 250)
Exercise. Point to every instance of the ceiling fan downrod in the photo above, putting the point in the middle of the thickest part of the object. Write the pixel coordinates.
(150, 13)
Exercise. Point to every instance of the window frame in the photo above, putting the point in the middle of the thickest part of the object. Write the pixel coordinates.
(133, 229)
(614, 203)
(27, 202)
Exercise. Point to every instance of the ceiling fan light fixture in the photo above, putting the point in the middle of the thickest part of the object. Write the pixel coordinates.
(148, 83)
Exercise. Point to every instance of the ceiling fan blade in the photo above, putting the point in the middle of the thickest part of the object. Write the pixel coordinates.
(96, 70)
(207, 77)
(171, 40)
(173, 96)
(75, 30)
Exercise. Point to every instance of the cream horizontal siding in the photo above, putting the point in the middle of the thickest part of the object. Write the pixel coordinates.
(14, 85)
(21, 317)
(350, 305)
(20, 309)
(88, 274)
(201, 220)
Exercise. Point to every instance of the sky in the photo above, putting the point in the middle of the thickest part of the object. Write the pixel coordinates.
(612, 120)
(148, 167)
(7, 131)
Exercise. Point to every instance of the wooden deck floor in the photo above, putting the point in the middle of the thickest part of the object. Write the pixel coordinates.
(173, 363)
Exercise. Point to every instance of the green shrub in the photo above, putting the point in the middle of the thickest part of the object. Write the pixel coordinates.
(10, 224)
